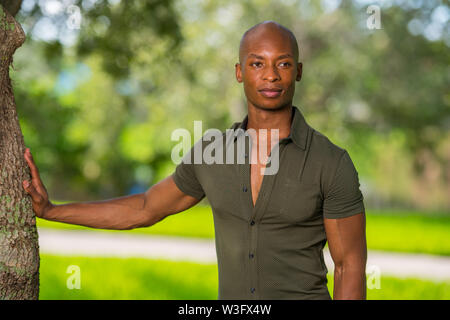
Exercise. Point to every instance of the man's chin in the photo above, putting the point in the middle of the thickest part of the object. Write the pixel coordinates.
(272, 106)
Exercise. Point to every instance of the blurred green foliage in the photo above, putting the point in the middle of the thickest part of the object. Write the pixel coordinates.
(97, 105)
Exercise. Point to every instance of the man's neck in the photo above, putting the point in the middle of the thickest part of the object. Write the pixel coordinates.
(271, 119)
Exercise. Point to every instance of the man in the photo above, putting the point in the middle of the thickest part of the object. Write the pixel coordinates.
(270, 229)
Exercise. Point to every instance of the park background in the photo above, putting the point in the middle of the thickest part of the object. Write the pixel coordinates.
(100, 86)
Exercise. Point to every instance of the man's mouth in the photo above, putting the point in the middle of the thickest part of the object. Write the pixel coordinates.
(270, 92)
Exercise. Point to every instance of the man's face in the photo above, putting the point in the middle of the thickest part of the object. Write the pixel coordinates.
(268, 69)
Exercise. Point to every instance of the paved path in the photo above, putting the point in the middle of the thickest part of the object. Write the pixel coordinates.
(116, 244)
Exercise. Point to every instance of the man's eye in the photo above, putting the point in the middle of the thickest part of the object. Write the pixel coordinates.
(285, 64)
(256, 64)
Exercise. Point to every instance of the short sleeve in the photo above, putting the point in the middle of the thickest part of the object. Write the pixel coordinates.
(344, 198)
(185, 177)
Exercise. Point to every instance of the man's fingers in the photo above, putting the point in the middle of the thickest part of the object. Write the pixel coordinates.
(28, 157)
(36, 196)
(31, 164)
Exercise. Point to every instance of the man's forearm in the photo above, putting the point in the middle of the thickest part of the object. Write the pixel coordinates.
(119, 213)
(349, 283)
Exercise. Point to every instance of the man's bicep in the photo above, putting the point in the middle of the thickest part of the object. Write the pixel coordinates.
(343, 198)
(347, 239)
(185, 175)
(165, 198)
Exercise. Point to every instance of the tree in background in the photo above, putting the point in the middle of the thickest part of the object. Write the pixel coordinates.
(19, 252)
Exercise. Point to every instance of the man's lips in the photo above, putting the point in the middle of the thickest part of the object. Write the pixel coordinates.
(270, 92)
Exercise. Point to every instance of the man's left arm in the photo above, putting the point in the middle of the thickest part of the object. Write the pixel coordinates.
(345, 227)
(348, 249)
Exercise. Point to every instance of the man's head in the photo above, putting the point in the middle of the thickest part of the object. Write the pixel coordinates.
(268, 65)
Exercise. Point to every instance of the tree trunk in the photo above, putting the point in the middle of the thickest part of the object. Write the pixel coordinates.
(19, 248)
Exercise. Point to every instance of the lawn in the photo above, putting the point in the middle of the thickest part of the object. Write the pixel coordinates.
(115, 278)
(409, 232)
(401, 231)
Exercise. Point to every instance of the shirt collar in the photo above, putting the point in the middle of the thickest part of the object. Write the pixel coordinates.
(298, 134)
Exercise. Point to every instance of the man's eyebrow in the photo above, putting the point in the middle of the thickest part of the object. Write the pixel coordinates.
(255, 56)
(283, 56)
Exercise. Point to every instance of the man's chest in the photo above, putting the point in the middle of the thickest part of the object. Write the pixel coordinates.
(240, 190)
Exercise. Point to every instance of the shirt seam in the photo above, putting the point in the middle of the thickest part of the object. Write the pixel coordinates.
(346, 214)
(335, 172)
(185, 190)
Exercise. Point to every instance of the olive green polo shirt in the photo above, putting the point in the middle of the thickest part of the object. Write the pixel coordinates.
(273, 250)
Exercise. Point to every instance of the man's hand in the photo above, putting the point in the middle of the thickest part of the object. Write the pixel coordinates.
(36, 188)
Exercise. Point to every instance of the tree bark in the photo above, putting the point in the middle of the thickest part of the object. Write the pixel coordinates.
(19, 248)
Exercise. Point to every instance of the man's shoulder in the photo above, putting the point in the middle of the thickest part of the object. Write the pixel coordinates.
(320, 143)
(325, 156)
(323, 149)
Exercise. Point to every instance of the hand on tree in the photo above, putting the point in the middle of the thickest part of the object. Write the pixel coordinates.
(36, 188)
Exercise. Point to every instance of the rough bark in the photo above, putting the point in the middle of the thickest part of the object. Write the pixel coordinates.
(12, 6)
(19, 249)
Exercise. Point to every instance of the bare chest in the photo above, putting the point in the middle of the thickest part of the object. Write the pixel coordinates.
(257, 166)
(256, 180)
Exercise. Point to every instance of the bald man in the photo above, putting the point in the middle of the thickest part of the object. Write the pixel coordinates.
(270, 229)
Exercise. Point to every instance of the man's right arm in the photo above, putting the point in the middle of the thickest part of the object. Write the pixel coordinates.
(128, 212)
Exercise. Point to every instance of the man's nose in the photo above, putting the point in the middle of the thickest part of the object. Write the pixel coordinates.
(271, 74)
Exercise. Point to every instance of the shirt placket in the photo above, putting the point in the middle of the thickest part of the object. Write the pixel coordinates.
(256, 214)
(247, 207)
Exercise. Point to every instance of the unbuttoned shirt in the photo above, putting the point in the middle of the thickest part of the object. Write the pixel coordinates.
(273, 249)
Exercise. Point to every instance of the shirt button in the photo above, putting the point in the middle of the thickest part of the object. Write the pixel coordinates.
(252, 290)
(244, 189)
(252, 222)
(251, 255)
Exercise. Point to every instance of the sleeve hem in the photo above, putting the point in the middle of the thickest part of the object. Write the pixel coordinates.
(189, 192)
(344, 214)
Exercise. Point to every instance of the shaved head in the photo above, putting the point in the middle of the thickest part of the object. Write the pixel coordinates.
(261, 31)
(268, 66)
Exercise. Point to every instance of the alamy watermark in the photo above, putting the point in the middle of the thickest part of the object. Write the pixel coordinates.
(215, 147)
(373, 273)
(374, 19)
(74, 18)
(74, 280)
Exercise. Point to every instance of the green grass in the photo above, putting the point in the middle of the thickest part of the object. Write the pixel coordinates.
(386, 230)
(115, 278)
(408, 232)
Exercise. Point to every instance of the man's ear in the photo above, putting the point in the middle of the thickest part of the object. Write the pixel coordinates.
(238, 70)
(299, 71)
